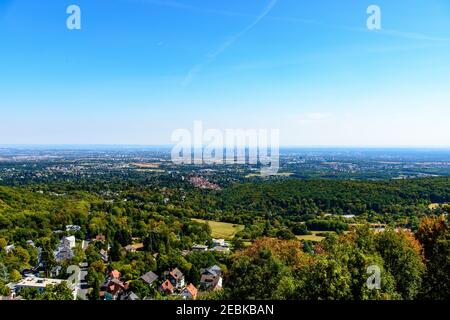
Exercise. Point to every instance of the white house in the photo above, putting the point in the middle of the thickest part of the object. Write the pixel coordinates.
(218, 242)
(9, 248)
(199, 247)
(38, 283)
(73, 227)
(69, 241)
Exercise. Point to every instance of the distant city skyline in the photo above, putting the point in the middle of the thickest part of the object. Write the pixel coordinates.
(140, 69)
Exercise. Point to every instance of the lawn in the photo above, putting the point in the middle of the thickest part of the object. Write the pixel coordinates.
(222, 230)
(313, 237)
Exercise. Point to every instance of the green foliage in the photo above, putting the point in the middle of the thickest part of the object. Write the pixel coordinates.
(58, 292)
(256, 277)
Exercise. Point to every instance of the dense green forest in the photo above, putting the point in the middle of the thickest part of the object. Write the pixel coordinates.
(272, 212)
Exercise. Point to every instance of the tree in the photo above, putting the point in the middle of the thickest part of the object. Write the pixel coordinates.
(59, 292)
(3, 273)
(402, 255)
(3, 243)
(140, 288)
(15, 276)
(285, 234)
(434, 234)
(22, 255)
(52, 292)
(256, 277)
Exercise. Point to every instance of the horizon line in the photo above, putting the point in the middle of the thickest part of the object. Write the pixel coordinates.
(122, 145)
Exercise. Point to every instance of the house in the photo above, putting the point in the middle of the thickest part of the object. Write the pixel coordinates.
(218, 242)
(63, 253)
(113, 287)
(220, 245)
(211, 278)
(167, 287)
(214, 270)
(55, 272)
(130, 296)
(115, 274)
(199, 247)
(39, 284)
(11, 297)
(210, 282)
(190, 292)
(104, 255)
(99, 237)
(30, 243)
(176, 277)
(134, 247)
(69, 241)
(221, 249)
(74, 228)
(149, 278)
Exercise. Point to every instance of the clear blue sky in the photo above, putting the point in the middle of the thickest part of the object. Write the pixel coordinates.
(139, 69)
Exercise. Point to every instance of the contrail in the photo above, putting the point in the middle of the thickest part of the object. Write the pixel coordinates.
(227, 43)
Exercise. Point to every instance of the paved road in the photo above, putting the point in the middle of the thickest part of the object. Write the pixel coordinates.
(82, 287)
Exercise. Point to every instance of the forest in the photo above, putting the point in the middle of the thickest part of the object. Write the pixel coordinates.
(267, 260)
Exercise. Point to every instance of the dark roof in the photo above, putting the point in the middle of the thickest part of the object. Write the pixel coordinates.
(130, 296)
(149, 277)
(209, 278)
(214, 270)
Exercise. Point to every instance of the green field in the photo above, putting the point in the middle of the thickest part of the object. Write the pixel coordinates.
(313, 237)
(222, 230)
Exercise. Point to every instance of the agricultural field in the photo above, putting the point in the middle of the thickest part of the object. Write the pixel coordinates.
(222, 230)
(314, 236)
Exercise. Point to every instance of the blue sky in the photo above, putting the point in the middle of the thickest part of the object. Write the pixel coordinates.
(139, 69)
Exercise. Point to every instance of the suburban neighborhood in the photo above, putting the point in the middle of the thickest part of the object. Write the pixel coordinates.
(170, 284)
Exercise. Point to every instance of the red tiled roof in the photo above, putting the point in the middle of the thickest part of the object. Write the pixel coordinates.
(192, 290)
(115, 274)
(167, 286)
(176, 273)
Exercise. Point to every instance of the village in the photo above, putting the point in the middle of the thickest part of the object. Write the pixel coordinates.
(170, 284)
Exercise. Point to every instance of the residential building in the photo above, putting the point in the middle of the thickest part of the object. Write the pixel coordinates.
(218, 242)
(63, 253)
(104, 255)
(199, 247)
(69, 241)
(74, 228)
(190, 292)
(113, 288)
(176, 277)
(149, 278)
(220, 245)
(167, 287)
(38, 283)
(131, 296)
(211, 278)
